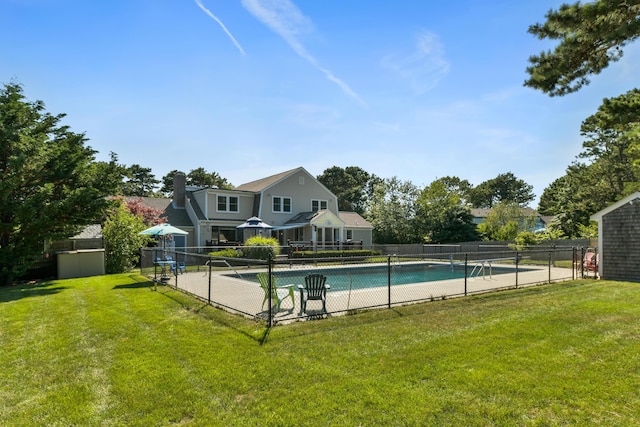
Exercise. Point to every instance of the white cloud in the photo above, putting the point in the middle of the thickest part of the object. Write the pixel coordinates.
(215, 18)
(424, 66)
(286, 20)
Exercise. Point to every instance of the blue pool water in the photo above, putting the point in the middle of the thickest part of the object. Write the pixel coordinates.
(371, 277)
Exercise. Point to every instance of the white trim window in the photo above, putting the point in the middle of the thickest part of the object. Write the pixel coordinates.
(319, 205)
(227, 203)
(281, 204)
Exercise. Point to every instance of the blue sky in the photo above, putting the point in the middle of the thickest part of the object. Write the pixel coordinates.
(248, 88)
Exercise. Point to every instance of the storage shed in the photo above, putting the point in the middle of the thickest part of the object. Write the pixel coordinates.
(82, 255)
(81, 263)
(619, 239)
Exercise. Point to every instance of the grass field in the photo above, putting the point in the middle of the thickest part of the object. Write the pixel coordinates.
(109, 351)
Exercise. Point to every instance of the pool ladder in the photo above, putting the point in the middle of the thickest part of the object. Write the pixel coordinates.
(480, 266)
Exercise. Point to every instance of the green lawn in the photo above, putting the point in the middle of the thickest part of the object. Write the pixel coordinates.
(110, 351)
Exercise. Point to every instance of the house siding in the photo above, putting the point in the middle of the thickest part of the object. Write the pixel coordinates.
(620, 246)
(301, 188)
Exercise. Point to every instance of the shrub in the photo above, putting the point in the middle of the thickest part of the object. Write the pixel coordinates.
(525, 239)
(227, 253)
(259, 247)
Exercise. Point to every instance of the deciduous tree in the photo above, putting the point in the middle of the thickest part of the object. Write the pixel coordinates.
(121, 238)
(391, 210)
(349, 185)
(442, 216)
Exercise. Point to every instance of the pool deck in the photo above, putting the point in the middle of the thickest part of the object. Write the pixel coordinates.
(247, 297)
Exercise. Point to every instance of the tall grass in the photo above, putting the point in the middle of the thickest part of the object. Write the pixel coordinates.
(111, 351)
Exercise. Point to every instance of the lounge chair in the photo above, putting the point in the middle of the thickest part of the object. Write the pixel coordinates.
(590, 262)
(278, 293)
(315, 288)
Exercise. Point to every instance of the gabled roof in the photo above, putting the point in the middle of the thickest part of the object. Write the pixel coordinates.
(630, 198)
(354, 220)
(264, 183)
(93, 231)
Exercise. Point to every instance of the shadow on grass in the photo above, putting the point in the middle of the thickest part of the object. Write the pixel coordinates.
(139, 282)
(17, 292)
(222, 317)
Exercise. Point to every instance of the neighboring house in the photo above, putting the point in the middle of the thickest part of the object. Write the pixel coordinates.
(300, 210)
(619, 239)
(541, 222)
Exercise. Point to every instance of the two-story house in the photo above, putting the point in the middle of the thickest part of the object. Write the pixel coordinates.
(294, 204)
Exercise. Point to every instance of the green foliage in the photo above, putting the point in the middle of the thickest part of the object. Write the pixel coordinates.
(197, 177)
(391, 210)
(608, 171)
(550, 233)
(141, 181)
(227, 253)
(504, 188)
(505, 221)
(259, 247)
(121, 239)
(525, 239)
(591, 36)
(49, 188)
(588, 231)
(349, 185)
(442, 216)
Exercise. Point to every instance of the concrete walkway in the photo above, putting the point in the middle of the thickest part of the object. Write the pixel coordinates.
(228, 291)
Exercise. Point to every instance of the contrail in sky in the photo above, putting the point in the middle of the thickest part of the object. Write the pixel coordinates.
(215, 18)
(286, 20)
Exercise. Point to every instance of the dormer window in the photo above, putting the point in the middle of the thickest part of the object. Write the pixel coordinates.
(227, 203)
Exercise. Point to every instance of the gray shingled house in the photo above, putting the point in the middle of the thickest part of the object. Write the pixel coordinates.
(619, 239)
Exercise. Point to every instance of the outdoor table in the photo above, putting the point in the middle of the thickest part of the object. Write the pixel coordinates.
(165, 268)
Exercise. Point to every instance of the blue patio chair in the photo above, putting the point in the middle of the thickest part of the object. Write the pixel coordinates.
(181, 267)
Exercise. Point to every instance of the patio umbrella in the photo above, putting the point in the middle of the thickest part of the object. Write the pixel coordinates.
(163, 230)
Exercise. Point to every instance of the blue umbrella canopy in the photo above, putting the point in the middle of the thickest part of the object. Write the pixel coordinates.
(163, 230)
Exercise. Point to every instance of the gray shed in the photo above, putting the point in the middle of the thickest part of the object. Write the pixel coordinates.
(619, 239)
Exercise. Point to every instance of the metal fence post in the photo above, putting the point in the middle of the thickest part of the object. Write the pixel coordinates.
(550, 253)
(466, 260)
(270, 321)
(209, 291)
(517, 263)
(389, 281)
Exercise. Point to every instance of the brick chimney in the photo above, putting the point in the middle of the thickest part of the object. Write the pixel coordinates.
(179, 189)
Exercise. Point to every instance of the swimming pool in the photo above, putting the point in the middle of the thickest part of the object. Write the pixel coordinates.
(345, 278)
